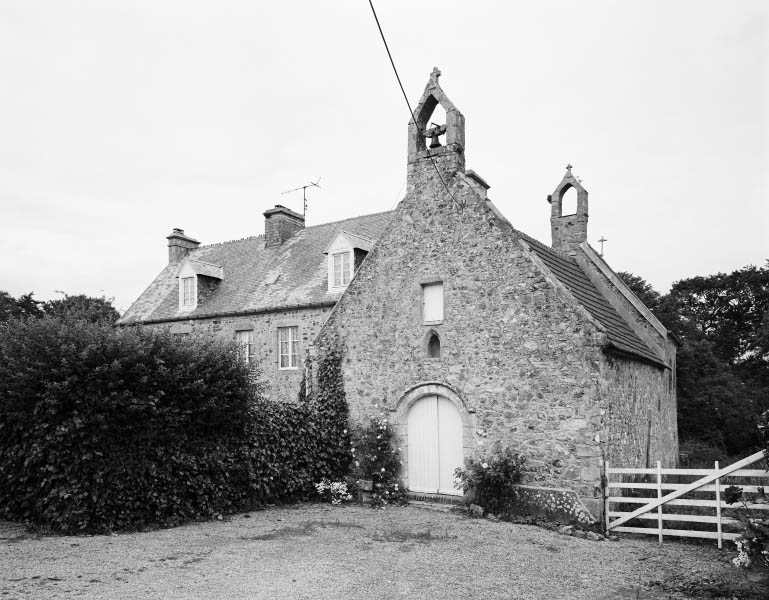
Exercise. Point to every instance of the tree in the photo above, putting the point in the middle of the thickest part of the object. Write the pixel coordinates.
(722, 367)
(714, 405)
(94, 310)
(728, 310)
(641, 288)
(24, 306)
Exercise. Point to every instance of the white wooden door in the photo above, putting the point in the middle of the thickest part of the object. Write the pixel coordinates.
(434, 445)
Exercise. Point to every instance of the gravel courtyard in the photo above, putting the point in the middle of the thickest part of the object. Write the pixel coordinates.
(320, 551)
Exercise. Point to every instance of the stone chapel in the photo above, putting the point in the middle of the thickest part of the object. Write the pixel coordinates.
(465, 331)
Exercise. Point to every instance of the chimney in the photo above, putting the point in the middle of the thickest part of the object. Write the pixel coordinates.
(568, 231)
(280, 223)
(179, 245)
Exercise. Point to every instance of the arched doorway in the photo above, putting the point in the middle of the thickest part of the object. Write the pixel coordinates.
(434, 445)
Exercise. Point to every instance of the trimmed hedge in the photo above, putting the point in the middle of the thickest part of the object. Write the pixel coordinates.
(104, 429)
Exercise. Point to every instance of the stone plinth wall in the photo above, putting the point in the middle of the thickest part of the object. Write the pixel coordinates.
(553, 504)
(280, 384)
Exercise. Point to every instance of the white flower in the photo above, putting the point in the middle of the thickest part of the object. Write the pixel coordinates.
(485, 465)
(357, 464)
(383, 469)
(396, 486)
(345, 431)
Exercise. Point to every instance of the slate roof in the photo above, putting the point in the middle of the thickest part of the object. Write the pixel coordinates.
(294, 274)
(298, 269)
(568, 272)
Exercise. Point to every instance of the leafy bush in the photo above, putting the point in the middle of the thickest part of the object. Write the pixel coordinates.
(491, 479)
(376, 459)
(104, 429)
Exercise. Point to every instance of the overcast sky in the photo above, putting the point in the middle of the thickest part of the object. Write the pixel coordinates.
(120, 120)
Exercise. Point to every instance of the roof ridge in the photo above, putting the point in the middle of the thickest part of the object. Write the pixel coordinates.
(382, 212)
(214, 244)
(261, 235)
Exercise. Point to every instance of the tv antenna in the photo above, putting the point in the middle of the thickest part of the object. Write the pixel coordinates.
(304, 193)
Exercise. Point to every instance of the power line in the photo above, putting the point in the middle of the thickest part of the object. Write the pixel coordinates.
(406, 98)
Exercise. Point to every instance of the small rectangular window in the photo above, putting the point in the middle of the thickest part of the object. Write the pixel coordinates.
(188, 291)
(288, 347)
(341, 269)
(432, 302)
(246, 341)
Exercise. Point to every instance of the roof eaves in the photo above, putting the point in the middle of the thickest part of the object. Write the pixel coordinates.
(235, 313)
(622, 350)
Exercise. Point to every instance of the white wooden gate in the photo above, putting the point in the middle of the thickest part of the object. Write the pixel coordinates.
(434, 428)
(709, 481)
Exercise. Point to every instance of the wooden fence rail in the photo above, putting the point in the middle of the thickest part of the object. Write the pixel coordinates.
(710, 482)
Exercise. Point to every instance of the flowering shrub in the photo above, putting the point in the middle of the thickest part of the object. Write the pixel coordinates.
(753, 544)
(335, 491)
(491, 479)
(376, 458)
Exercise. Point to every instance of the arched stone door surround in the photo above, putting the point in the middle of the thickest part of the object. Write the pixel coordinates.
(399, 418)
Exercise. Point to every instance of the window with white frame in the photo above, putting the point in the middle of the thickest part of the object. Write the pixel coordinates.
(432, 302)
(288, 347)
(246, 341)
(187, 292)
(341, 269)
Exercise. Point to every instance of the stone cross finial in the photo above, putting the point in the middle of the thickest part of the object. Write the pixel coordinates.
(434, 76)
(602, 240)
(568, 168)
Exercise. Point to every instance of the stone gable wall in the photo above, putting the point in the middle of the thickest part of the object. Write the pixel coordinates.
(521, 360)
(281, 385)
(521, 356)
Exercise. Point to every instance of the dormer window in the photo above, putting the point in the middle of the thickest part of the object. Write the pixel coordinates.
(188, 292)
(345, 254)
(341, 269)
(197, 280)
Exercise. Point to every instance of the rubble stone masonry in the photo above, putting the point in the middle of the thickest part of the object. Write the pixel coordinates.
(279, 384)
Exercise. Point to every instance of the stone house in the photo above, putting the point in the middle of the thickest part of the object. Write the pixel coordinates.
(270, 292)
(467, 333)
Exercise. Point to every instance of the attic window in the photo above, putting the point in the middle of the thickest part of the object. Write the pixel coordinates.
(341, 269)
(187, 292)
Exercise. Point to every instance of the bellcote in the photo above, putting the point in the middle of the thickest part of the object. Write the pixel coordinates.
(568, 230)
(424, 145)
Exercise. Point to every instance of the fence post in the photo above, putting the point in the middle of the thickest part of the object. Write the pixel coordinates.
(659, 495)
(718, 508)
